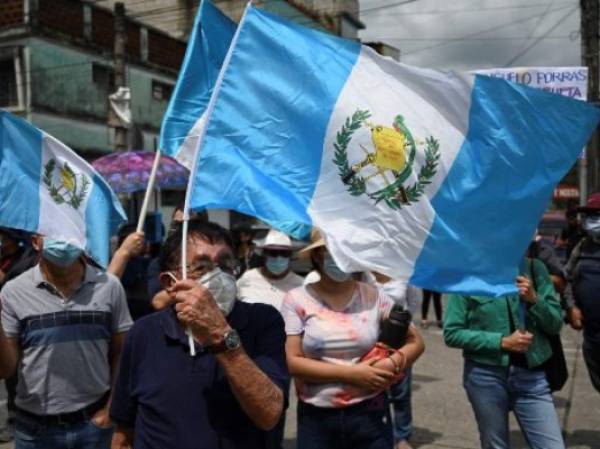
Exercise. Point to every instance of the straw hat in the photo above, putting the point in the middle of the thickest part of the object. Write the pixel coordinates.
(315, 242)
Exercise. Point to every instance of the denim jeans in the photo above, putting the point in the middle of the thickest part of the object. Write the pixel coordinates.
(591, 355)
(84, 435)
(494, 391)
(363, 426)
(400, 395)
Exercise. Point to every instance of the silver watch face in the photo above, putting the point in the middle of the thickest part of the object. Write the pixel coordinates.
(232, 339)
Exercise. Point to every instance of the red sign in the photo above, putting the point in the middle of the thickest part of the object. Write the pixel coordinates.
(566, 192)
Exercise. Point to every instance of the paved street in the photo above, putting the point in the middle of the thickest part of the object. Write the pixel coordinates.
(443, 417)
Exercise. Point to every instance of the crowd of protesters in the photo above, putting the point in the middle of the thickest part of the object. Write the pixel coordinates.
(99, 358)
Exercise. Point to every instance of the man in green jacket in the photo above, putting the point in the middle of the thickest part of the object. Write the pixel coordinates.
(504, 349)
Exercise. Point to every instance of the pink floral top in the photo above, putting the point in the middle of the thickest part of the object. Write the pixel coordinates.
(341, 338)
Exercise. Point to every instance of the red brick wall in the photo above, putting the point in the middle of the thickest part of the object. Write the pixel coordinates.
(63, 16)
(11, 13)
(103, 29)
(165, 51)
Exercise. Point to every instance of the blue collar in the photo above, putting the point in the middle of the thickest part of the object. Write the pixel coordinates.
(173, 330)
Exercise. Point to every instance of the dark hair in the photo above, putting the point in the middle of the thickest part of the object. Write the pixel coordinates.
(201, 215)
(313, 259)
(206, 230)
(124, 231)
(179, 206)
(16, 235)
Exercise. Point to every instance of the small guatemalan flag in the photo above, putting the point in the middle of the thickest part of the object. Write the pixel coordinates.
(435, 178)
(48, 189)
(185, 116)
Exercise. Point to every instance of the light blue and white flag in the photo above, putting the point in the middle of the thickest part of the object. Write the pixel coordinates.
(48, 189)
(185, 116)
(436, 178)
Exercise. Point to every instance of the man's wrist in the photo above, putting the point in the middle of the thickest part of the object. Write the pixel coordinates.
(231, 356)
(123, 252)
(218, 335)
(228, 341)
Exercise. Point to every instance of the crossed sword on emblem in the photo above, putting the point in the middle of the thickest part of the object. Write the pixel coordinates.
(370, 160)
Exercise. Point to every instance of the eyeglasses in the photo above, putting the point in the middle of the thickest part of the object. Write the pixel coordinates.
(231, 266)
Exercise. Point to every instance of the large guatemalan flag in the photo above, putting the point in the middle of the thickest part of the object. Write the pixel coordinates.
(437, 178)
(48, 189)
(185, 116)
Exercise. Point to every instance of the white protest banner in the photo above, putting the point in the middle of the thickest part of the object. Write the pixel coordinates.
(568, 81)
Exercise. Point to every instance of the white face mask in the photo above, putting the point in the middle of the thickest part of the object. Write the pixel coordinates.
(222, 287)
(591, 225)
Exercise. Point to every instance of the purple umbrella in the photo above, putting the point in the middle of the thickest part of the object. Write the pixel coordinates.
(129, 171)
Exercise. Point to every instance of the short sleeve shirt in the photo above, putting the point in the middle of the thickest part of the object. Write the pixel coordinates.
(338, 337)
(254, 287)
(175, 401)
(64, 364)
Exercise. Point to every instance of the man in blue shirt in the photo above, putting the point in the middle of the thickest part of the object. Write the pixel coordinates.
(233, 390)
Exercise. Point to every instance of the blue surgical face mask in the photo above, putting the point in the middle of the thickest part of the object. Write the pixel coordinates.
(277, 265)
(333, 271)
(60, 253)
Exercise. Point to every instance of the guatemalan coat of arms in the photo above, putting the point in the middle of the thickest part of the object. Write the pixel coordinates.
(391, 158)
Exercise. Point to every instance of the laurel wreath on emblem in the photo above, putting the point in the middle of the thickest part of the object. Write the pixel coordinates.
(394, 194)
(68, 191)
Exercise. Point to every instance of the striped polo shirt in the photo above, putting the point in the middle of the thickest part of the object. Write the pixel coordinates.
(64, 342)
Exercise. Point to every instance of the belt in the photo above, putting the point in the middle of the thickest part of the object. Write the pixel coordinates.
(75, 417)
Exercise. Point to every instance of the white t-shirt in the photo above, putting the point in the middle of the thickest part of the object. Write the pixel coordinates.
(408, 296)
(337, 337)
(254, 287)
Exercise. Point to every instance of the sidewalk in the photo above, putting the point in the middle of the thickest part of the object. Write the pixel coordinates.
(442, 415)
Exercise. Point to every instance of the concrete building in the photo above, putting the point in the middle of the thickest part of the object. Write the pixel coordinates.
(57, 70)
(176, 17)
(57, 66)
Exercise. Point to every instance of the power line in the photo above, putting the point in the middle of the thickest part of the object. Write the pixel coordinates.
(178, 16)
(539, 39)
(457, 39)
(378, 8)
(438, 12)
(168, 9)
(479, 33)
(535, 27)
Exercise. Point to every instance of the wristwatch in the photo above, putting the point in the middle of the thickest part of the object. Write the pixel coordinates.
(230, 342)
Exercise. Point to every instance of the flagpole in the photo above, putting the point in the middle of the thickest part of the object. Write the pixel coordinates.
(193, 171)
(149, 189)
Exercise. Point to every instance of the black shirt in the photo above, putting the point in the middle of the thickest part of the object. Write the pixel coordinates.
(175, 401)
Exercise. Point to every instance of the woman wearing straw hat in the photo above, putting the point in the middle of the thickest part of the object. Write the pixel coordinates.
(331, 324)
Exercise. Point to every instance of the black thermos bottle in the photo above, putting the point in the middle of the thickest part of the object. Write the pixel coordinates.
(394, 329)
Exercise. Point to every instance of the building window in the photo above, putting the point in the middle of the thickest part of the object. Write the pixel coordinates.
(8, 83)
(11, 82)
(103, 76)
(161, 91)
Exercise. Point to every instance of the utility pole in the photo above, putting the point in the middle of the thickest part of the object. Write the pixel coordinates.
(120, 40)
(589, 165)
